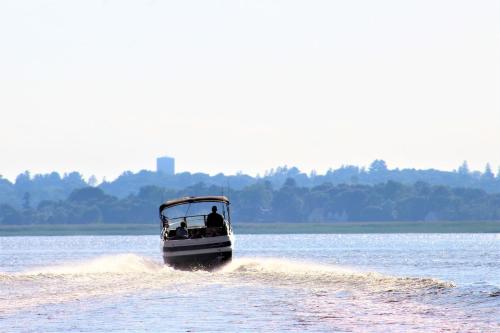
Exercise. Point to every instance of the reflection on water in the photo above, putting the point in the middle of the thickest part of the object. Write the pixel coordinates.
(101, 287)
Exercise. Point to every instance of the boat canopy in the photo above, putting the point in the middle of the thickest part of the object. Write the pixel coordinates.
(188, 200)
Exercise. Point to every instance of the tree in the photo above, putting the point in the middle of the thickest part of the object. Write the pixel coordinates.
(26, 201)
(87, 194)
(487, 174)
(254, 203)
(464, 169)
(290, 182)
(75, 179)
(8, 215)
(92, 181)
(151, 194)
(288, 202)
(378, 166)
(23, 180)
(422, 188)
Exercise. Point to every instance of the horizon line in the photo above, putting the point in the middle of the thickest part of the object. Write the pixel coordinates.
(63, 174)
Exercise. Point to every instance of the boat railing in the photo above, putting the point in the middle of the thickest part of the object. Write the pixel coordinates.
(196, 225)
(192, 221)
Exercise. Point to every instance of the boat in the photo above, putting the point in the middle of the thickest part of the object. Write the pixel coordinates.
(193, 233)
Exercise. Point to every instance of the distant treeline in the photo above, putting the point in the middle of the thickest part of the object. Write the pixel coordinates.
(34, 189)
(261, 202)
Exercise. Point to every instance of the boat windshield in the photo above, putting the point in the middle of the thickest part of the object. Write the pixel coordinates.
(194, 214)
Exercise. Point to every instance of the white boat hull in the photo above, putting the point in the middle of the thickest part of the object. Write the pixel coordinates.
(205, 253)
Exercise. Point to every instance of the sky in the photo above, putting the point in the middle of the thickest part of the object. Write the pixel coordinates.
(227, 86)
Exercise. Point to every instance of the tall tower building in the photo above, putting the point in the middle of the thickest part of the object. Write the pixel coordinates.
(165, 165)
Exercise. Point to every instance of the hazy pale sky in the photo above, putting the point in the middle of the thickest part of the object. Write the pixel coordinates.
(106, 86)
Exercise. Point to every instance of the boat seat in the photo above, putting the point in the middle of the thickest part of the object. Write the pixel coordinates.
(217, 231)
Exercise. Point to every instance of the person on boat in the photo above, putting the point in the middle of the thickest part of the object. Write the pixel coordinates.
(182, 231)
(214, 219)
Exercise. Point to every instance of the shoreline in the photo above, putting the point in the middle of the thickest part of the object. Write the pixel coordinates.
(258, 228)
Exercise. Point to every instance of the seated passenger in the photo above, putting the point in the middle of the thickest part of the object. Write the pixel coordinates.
(182, 231)
(214, 220)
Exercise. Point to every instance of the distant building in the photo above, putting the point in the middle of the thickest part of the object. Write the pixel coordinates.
(165, 165)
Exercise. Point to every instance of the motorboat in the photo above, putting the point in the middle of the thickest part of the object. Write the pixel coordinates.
(193, 233)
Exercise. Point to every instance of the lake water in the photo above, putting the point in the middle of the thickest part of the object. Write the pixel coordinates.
(316, 283)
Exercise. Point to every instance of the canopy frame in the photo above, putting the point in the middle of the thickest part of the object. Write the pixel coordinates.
(189, 200)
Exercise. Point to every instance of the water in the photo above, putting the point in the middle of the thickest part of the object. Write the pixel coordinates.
(317, 283)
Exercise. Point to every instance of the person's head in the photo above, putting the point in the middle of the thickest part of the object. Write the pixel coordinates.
(184, 224)
(214, 209)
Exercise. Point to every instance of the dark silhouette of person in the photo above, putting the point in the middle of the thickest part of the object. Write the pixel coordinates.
(214, 220)
(182, 232)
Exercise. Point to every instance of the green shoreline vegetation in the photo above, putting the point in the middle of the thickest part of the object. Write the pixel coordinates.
(260, 228)
(262, 203)
(339, 197)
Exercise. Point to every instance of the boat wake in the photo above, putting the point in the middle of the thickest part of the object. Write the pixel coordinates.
(117, 264)
(315, 293)
(295, 273)
(266, 270)
(129, 274)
